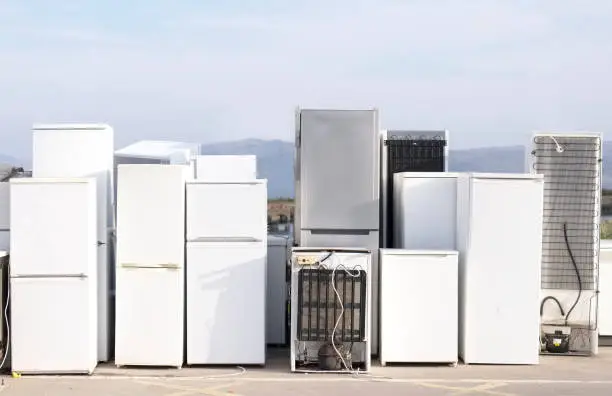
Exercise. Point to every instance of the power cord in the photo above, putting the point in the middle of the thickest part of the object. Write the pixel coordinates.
(8, 329)
(569, 251)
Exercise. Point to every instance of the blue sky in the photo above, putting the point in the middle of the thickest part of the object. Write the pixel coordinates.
(489, 71)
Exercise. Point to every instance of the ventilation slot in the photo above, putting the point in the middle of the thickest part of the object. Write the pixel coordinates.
(319, 307)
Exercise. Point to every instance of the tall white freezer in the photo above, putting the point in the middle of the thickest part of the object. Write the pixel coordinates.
(425, 210)
(499, 239)
(418, 306)
(226, 272)
(84, 150)
(150, 265)
(53, 275)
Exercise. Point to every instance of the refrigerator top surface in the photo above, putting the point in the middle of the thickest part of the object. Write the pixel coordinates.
(156, 149)
(254, 181)
(330, 249)
(3, 253)
(70, 127)
(51, 180)
(575, 134)
(428, 175)
(410, 252)
(517, 176)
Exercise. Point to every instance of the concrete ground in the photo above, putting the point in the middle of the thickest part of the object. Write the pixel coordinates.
(556, 375)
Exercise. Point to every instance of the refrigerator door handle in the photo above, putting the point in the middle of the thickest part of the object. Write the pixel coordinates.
(173, 266)
(100, 243)
(43, 276)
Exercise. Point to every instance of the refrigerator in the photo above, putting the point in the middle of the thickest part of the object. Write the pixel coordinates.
(53, 275)
(418, 306)
(337, 185)
(5, 216)
(226, 272)
(499, 239)
(84, 150)
(226, 167)
(279, 247)
(604, 304)
(150, 260)
(425, 210)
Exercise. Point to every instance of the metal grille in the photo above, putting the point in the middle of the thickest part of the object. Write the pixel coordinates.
(411, 154)
(572, 190)
(319, 307)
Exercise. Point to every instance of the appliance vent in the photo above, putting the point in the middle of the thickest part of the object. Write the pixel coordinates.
(571, 166)
(319, 307)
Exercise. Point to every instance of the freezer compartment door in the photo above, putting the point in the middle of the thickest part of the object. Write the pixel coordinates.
(339, 169)
(149, 315)
(53, 325)
(226, 288)
(221, 210)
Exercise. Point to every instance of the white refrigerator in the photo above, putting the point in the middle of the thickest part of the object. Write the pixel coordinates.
(150, 265)
(84, 150)
(499, 239)
(226, 272)
(53, 275)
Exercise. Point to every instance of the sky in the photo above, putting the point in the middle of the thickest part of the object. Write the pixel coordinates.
(491, 72)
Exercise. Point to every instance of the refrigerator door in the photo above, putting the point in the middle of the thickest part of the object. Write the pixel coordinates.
(227, 210)
(226, 289)
(53, 325)
(226, 167)
(83, 150)
(149, 315)
(5, 213)
(53, 227)
(276, 288)
(150, 260)
(339, 169)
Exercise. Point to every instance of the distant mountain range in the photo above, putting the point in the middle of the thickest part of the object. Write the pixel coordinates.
(275, 161)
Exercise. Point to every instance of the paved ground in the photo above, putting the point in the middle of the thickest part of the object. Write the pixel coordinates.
(558, 376)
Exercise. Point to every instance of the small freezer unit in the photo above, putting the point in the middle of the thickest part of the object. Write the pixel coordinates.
(226, 167)
(407, 151)
(418, 306)
(605, 289)
(499, 239)
(277, 291)
(330, 309)
(425, 210)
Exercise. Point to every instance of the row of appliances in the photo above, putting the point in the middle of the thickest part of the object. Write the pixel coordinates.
(187, 255)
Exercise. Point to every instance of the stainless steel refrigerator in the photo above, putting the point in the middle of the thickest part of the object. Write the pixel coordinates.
(338, 185)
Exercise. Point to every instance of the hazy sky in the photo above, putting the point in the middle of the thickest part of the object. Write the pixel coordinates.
(196, 70)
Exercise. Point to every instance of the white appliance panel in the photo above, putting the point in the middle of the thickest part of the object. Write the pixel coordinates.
(418, 306)
(605, 290)
(149, 316)
(226, 167)
(226, 303)
(73, 150)
(53, 325)
(500, 268)
(276, 298)
(227, 210)
(150, 260)
(5, 200)
(426, 211)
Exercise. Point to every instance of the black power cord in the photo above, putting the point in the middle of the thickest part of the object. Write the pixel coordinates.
(569, 251)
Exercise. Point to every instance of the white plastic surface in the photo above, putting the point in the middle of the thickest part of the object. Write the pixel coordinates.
(53, 319)
(605, 290)
(500, 246)
(226, 309)
(226, 167)
(150, 233)
(83, 150)
(5, 213)
(227, 210)
(276, 288)
(418, 306)
(425, 210)
(156, 149)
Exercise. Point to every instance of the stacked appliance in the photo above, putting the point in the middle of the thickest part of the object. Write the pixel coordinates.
(425, 210)
(330, 309)
(418, 306)
(571, 165)
(277, 291)
(499, 239)
(7, 172)
(84, 150)
(226, 272)
(604, 305)
(226, 167)
(407, 151)
(150, 265)
(53, 275)
(337, 185)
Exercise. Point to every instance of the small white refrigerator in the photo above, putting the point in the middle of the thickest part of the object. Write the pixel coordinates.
(84, 150)
(150, 265)
(226, 272)
(499, 239)
(418, 306)
(226, 167)
(53, 273)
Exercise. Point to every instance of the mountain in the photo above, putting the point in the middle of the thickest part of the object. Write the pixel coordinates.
(275, 161)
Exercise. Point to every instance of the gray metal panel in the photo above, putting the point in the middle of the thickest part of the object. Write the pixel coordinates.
(339, 169)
